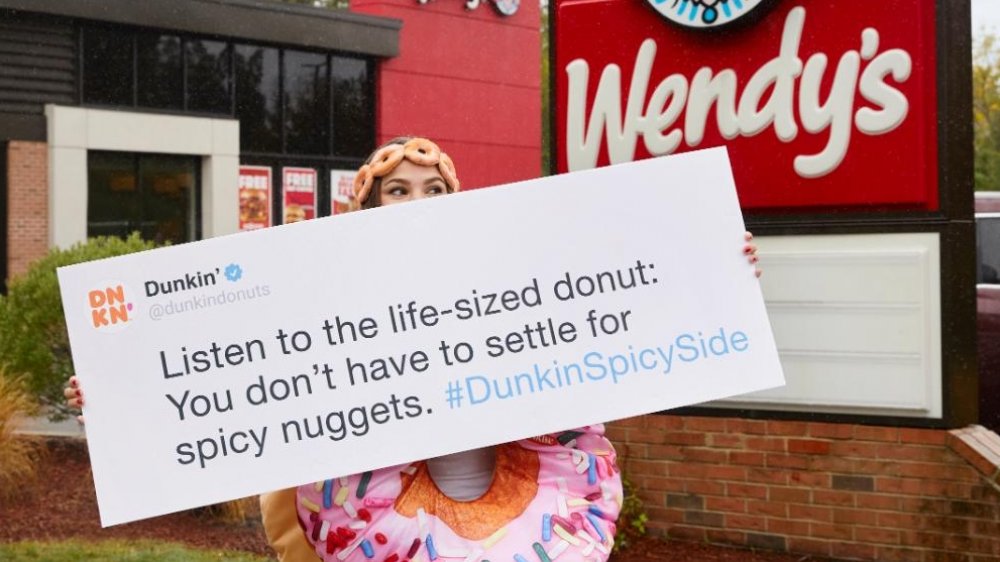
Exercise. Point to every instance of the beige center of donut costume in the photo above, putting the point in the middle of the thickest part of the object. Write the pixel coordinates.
(552, 496)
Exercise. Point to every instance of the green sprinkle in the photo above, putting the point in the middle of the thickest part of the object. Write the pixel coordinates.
(541, 552)
(363, 485)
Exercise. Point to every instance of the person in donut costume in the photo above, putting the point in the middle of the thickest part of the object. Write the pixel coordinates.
(540, 499)
(552, 496)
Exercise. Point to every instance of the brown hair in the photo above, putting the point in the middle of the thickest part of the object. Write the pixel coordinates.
(374, 198)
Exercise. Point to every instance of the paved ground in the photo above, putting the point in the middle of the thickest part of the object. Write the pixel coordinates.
(42, 426)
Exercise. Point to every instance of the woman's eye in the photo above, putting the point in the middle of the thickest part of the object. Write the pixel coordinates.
(397, 191)
(435, 190)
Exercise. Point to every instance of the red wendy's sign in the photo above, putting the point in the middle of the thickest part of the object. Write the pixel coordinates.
(824, 104)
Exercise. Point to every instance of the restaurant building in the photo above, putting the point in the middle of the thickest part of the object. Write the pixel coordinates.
(195, 118)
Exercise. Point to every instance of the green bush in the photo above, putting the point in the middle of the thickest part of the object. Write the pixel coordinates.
(632, 519)
(33, 340)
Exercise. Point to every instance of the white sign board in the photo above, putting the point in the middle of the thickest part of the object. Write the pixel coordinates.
(223, 368)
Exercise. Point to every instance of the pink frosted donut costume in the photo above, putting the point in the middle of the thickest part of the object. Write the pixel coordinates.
(552, 497)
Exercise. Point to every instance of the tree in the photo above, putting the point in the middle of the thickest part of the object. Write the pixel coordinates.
(986, 111)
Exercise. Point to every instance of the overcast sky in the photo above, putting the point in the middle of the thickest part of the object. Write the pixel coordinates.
(985, 13)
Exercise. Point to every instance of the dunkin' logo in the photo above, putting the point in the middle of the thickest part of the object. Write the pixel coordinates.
(704, 14)
(108, 306)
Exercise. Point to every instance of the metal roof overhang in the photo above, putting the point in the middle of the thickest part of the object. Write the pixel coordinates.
(253, 20)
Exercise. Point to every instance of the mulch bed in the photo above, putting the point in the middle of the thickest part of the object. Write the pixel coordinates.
(61, 505)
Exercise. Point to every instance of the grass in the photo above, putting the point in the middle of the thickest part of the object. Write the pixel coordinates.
(19, 454)
(117, 551)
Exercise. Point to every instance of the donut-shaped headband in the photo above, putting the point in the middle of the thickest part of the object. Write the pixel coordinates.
(420, 151)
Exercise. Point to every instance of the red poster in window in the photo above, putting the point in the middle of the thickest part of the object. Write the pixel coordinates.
(298, 187)
(824, 105)
(341, 191)
(255, 197)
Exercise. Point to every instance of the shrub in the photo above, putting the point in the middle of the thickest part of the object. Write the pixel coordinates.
(33, 340)
(632, 519)
(18, 453)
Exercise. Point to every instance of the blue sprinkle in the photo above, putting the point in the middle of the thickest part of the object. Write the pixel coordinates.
(520, 558)
(546, 527)
(597, 526)
(592, 470)
(327, 494)
(431, 551)
(596, 511)
(367, 547)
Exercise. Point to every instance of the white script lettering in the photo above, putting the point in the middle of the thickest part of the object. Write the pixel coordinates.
(767, 101)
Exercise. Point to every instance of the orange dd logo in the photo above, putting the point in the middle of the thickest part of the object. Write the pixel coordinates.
(108, 306)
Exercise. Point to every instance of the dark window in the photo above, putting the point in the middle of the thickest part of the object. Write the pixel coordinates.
(988, 249)
(287, 101)
(208, 76)
(161, 71)
(307, 103)
(107, 67)
(154, 194)
(258, 95)
(353, 107)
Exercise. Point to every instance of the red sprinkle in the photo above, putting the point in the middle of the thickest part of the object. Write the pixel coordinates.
(566, 525)
(380, 538)
(593, 497)
(345, 533)
(331, 543)
(315, 530)
(392, 558)
(413, 548)
(313, 516)
(365, 515)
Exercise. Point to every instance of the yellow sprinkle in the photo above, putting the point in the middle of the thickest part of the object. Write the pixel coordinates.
(309, 504)
(495, 538)
(566, 536)
(576, 502)
(318, 486)
(341, 496)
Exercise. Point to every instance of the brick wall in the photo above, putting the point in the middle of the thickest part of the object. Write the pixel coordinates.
(27, 204)
(840, 490)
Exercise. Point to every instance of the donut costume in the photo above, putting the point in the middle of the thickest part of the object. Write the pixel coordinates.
(552, 497)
